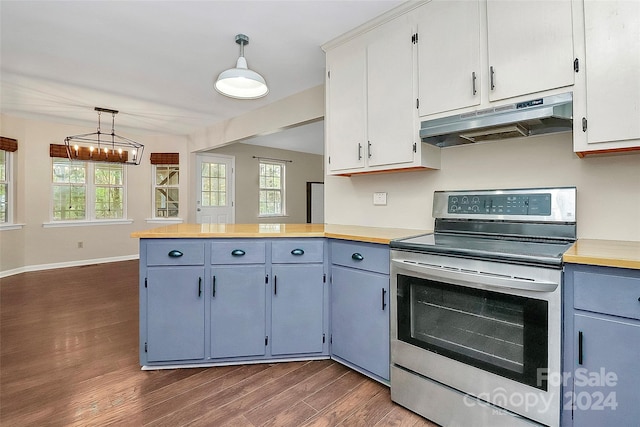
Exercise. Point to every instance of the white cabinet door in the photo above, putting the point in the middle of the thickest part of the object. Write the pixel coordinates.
(530, 46)
(346, 106)
(612, 43)
(448, 61)
(392, 110)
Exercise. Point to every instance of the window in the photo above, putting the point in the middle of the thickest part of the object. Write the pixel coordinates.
(88, 191)
(214, 184)
(271, 189)
(165, 192)
(5, 187)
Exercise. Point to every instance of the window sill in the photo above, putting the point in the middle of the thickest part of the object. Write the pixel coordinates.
(7, 227)
(85, 223)
(164, 220)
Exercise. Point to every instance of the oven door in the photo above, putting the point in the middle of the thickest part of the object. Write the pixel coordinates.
(487, 329)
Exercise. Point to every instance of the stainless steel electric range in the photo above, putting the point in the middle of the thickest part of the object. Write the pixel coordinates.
(476, 308)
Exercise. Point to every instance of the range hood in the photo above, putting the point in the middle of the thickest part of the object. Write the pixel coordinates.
(538, 116)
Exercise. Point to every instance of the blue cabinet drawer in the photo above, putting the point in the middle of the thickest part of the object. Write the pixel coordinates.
(365, 256)
(613, 294)
(175, 252)
(238, 251)
(297, 251)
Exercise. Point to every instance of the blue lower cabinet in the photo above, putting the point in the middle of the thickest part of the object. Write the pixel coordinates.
(175, 312)
(238, 311)
(360, 319)
(601, 346)
(297, 309)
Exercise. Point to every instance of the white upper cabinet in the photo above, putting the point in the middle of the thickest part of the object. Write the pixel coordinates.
(391, 103)
(607, 96)
(371, 103)
(346, 102)
(474, 52)
(529, 46)
(449, 55)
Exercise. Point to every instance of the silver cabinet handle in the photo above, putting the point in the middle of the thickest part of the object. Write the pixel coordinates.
(493, 73)
(359, 151)
(369, 149)
(473, 82)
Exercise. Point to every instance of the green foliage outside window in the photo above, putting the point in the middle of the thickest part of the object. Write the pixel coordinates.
(271, 189)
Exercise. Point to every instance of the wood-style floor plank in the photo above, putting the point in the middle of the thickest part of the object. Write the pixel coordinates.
(69, 357)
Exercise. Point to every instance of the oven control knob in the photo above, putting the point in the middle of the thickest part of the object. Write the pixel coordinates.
(474, 208)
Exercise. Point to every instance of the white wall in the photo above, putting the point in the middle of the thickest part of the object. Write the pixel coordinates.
(608, 187)
(34, 245)
(302, 168)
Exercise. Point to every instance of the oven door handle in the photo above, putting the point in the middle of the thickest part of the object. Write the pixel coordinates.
(476, 279)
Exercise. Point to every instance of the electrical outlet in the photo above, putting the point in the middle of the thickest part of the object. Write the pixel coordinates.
(380, 199)
(80, 245)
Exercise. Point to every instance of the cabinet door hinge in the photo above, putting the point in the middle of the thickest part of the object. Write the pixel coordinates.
(266, 278)
(323, 338)
(576, 65)
(415, 147)
(584, 124)
(266, 340)
(145, 347)
(145, 282)
(324, 278)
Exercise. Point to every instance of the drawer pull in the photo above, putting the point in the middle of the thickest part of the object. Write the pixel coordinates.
(357, 257)
(237, 252)
(297, 252)
(175, 253)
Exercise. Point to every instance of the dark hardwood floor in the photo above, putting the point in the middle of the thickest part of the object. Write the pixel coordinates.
(69, 357)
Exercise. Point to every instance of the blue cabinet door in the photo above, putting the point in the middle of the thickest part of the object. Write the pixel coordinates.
(175, 313)
(360, 319)
(297, 301)
(607, 382)
(238, 311)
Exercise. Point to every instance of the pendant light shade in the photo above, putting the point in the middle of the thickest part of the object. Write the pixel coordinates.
(241, 82)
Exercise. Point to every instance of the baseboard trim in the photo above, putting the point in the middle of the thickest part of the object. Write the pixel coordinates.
(78, 263)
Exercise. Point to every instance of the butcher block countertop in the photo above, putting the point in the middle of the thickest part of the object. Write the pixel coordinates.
(346, 232)
(608, 253)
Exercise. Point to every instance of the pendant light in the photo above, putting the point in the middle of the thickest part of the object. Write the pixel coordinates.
(241, 82)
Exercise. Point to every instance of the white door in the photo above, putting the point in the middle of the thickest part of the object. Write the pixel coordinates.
(215, 197)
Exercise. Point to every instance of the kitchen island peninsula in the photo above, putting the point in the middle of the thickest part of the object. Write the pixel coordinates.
(218, 294)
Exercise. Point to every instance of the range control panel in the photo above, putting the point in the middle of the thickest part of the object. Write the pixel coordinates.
(500, 204)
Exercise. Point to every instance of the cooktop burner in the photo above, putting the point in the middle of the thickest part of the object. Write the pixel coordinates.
(503, 249)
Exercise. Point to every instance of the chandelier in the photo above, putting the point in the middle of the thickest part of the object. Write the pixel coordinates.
(104, 147)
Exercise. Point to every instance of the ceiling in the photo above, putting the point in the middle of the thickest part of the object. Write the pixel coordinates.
(155, 61)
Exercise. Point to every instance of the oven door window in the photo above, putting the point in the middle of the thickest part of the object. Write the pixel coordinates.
(500, 333)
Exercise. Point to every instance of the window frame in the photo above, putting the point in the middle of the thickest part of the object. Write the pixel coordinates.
(90, 197)
(282, 189)
(8, 182)
(155, 187)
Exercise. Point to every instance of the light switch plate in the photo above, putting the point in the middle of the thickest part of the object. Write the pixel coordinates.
(380, 199)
